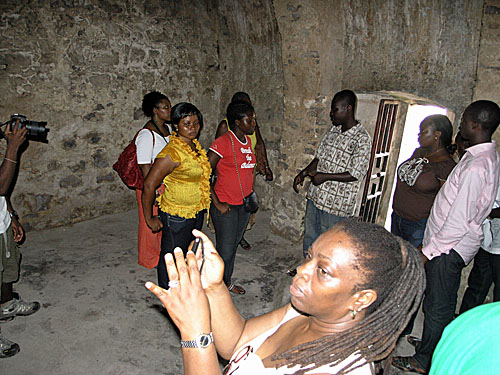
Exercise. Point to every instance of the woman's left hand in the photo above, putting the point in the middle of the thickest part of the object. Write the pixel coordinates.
(154, 223)
(269, 174)
(185, 299)
(213, 265)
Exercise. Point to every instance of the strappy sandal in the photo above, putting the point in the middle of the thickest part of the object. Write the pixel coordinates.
(405, 364)
(244, 244)
(236, 289)
(413, 340)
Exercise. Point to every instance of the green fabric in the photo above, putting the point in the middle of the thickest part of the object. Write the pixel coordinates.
(470, 345)
(9, 267)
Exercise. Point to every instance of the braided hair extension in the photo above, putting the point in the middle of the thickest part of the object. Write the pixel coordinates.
(394, 269)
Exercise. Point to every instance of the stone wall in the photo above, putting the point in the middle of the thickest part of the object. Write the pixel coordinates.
(84, 65)
(488, 69)
(312, 34)
(428, 48)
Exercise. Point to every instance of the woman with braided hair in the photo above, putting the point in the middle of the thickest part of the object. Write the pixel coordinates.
(350, 300)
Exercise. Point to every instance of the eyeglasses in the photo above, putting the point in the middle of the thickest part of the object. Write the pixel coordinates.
(242, 355)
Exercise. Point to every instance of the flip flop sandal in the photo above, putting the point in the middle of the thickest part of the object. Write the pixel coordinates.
(413, 340)
(236, 289)
(403, 364)
(244, 244)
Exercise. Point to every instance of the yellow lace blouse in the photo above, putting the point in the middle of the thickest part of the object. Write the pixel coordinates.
(187, 188)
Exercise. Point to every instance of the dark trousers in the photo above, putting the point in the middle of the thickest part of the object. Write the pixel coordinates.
(229, 229)
(486, 270)
(413, 232)
(440, 300)
(176, 232)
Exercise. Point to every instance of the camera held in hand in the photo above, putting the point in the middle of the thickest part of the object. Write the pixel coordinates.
(36, 129)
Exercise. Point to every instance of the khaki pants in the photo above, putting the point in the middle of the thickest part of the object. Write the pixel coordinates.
(10, 256)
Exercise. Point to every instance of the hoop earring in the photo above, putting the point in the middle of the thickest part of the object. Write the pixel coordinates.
(353, 314)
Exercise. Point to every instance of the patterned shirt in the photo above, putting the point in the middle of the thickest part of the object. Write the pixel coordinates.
(339, 152)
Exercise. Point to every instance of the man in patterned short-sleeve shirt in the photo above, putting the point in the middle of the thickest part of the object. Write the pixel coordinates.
(336, 171)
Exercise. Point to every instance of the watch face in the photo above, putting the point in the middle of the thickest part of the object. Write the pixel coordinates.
(205, 341)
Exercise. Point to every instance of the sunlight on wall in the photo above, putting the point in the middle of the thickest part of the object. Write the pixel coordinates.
(416, 113)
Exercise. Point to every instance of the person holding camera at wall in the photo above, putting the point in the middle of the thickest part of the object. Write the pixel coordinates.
(11, 233)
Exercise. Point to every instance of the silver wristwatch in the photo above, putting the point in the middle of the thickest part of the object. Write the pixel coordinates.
(202, 341)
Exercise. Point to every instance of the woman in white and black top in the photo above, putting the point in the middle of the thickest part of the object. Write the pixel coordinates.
(149, 142)
(350, 300)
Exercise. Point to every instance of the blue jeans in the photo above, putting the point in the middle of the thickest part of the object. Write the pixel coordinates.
(411, 231)
(176, 232)
(229, 229)
(316, 222)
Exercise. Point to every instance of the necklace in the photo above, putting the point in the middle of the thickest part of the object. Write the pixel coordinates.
(197, 152)
(432, 153)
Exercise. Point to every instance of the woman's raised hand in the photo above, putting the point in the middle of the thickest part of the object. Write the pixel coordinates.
(185, 300)
(213, 265)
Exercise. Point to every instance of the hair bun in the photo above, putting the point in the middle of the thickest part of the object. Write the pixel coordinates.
(452, 148)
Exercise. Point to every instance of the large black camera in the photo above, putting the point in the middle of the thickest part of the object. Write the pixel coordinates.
(36, 129)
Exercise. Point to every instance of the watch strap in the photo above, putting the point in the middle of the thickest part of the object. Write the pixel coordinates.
(202, 341)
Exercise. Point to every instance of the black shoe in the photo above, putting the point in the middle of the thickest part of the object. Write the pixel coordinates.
(413, 341)
(8, 348)
(244, 244)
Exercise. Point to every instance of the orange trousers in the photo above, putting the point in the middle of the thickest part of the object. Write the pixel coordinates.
(149, 243)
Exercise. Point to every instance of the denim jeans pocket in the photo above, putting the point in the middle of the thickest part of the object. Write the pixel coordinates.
(176, 219)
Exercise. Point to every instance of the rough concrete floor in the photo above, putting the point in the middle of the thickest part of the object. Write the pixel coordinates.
(97, 317)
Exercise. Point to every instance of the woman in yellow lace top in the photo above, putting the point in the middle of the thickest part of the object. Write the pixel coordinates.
(184, 169)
